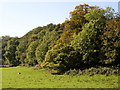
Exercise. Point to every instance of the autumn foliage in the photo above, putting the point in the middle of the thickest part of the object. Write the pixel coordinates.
(89, 38)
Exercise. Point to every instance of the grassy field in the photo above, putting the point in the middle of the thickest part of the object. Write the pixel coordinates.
(30, 78)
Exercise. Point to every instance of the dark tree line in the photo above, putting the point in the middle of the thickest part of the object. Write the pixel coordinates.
(91, 37)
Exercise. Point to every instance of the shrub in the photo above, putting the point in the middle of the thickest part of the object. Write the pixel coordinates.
(92, 71)
(63, 59)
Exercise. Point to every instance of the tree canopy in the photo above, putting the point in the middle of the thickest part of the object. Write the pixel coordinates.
(90, 37)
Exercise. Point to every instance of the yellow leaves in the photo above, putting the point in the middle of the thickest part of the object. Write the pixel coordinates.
(94, 7)
(95, 51)
(85, 5)
(33, 35)
(111, 53)
(108, 61)
(81, 5)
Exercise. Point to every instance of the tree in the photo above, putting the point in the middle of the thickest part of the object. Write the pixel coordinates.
(10, 53)
(5, 39)
(47, 39)
(111, 42)
(21, 49)
(30, 53)
(24, 43)
(88, 41)
(77, 26)
(62, 59)
(74, 25)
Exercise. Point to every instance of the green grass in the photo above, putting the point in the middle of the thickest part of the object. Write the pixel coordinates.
(30, 78)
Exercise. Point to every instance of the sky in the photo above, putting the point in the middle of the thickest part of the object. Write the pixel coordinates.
(17, 18)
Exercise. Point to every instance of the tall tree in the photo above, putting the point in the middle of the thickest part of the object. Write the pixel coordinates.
(30, 53)
(111, 42)
(5, 39)
(10, 53)
(88, 41)
(62, 54)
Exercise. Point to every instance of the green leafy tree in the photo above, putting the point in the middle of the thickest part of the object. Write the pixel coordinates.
(30, 53)
(48, 38)
(63, 59)
(24, 43)
(111, 42)
(41, 51)
(88, 41)
(57, 56)
(5, 39)
(74, 25)
(10, 53)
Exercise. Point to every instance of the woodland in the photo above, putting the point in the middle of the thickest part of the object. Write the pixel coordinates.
(90, 38)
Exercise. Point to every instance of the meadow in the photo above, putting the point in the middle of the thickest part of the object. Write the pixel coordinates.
(30, 78)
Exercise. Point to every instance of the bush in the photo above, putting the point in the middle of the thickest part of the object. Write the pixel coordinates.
(92, 71)
(72, 72)
(63, 59)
